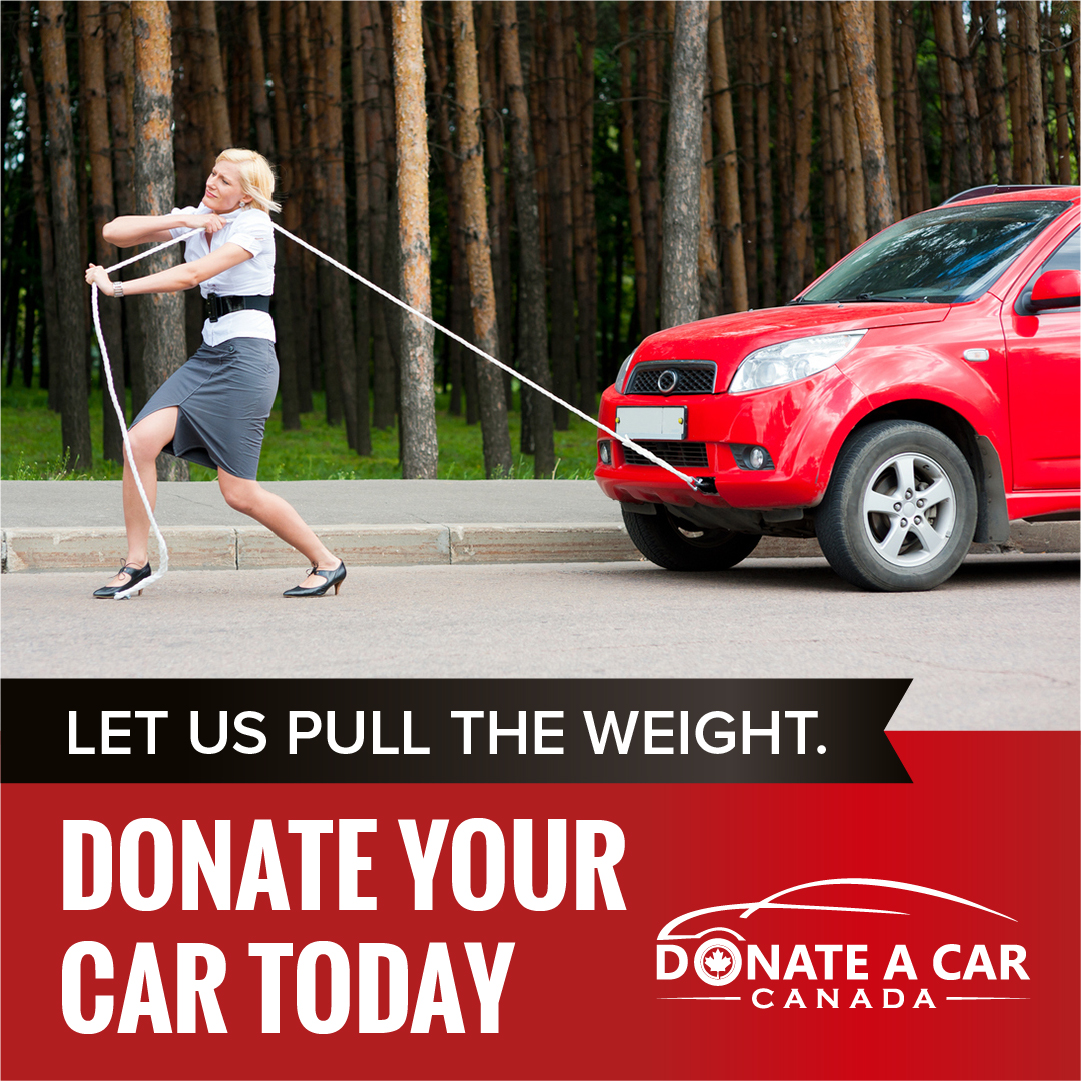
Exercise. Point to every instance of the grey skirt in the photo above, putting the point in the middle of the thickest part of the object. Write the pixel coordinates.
(223, 396)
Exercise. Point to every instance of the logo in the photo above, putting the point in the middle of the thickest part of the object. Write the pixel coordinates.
(667, 380)
(717, 961)
(843, 942)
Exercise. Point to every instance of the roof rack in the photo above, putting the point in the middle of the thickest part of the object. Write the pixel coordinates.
(996, 189)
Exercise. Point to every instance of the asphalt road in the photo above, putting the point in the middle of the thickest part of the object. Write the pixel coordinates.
(996, 647)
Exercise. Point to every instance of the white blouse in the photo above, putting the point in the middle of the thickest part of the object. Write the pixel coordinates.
(253, 231)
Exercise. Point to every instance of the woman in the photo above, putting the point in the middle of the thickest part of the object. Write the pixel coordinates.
(213, 410)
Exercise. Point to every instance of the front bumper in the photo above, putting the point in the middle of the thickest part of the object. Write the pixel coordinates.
(801, 425)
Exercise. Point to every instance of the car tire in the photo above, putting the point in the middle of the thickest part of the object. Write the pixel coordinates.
(900, 510)
(677, 545)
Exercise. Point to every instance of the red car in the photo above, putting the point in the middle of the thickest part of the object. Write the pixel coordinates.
(918, 396)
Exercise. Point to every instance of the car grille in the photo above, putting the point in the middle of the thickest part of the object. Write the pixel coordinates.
(674, 453)
(692, 377)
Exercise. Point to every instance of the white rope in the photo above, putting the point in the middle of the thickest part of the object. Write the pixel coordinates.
(163, 562)
(487, 356)
(106, 367)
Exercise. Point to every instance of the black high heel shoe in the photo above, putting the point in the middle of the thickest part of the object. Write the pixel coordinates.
(135, 575)
(333, 578)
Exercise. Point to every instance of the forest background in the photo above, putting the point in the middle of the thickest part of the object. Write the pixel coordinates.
(551, 180)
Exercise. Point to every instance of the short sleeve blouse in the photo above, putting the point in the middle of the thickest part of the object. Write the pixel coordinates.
(254, 232)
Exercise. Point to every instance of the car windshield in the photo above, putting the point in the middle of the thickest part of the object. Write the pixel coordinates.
(944, 256)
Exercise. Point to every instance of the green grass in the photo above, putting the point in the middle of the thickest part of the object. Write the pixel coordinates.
(30, 447)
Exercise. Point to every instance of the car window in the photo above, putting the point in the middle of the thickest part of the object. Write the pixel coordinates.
(949, 255)
(1067, 256)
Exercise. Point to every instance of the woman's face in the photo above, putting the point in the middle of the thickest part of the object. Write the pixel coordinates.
(223, 193)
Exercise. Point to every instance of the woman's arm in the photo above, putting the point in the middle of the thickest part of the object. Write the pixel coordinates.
(132, 229)
(176, 279)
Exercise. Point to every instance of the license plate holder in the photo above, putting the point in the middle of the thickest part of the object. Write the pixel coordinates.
(652, 421)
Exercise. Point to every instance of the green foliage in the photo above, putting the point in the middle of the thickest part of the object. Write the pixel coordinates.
(30, 436)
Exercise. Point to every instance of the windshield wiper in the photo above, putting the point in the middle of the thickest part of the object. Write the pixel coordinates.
(884, 298)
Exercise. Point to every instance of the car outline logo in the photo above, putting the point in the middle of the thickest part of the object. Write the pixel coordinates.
(746, 909)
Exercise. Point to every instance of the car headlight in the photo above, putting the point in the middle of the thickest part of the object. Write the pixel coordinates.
(786, 362)
(621, 375)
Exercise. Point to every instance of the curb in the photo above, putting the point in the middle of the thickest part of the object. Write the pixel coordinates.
(71, 548)
(253, 547)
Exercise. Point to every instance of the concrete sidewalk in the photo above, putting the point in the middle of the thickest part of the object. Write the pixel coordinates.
(78, 525)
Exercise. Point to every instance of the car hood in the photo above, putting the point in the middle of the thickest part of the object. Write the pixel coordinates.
(727, 339)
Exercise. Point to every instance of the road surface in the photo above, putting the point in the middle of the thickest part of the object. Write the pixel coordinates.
(996, 647)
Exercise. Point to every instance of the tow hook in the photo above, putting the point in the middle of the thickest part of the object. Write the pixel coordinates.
(708, 485)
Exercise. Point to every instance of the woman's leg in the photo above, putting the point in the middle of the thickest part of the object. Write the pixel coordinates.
(279, 517)
(147, 439)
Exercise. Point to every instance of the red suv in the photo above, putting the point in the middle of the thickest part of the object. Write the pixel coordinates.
(918, 396)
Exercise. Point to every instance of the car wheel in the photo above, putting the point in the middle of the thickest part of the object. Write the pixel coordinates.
(677, 545)
(900, 510)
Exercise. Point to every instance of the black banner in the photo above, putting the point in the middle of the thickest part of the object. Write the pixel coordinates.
(454, 730)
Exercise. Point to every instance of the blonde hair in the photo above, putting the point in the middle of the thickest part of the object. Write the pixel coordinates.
(256, 176)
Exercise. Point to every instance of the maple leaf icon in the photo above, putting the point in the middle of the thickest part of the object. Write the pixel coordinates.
(718, 961)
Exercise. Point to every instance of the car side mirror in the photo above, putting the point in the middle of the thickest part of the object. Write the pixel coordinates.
(1055, 289)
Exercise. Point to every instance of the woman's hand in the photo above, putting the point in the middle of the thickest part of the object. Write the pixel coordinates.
(211, 223)
(95, 275)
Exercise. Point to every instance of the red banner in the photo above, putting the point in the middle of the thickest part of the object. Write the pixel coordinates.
(553, 930)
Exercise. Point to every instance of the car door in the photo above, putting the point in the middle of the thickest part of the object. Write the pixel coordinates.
(1044, 385)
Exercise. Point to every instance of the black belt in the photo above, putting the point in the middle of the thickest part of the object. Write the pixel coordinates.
(217, 306)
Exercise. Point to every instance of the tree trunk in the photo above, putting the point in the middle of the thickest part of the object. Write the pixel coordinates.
(213, 81)
(189, 139)
(1030, 27)
(533, 322)
(742, 22)
(853, 159)
(996, 89)
(318, 221)
(69, 359)
(767, 253)
(970, 110)
(436, 45)
(630, 164)
(498, 221)
(802, 122)
(1073, 54)
(560, 224)
(709, 274)
(92, 38)
(334, 285)
(731, 219)
(1015, 80)
(162, 314)
(1062, 109)
(649, 149)
(288, 306)
(859, 50)
(420, 446)
(260, 106)
(956, 174)
(831, 240)
(577, 96)
(884, 18)
(782, 22)
(51, 328)
(836, 148)
(683, 166)
(493, 407)
(587, 37)
(378, 162)
(120, 72)
(363, 235)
